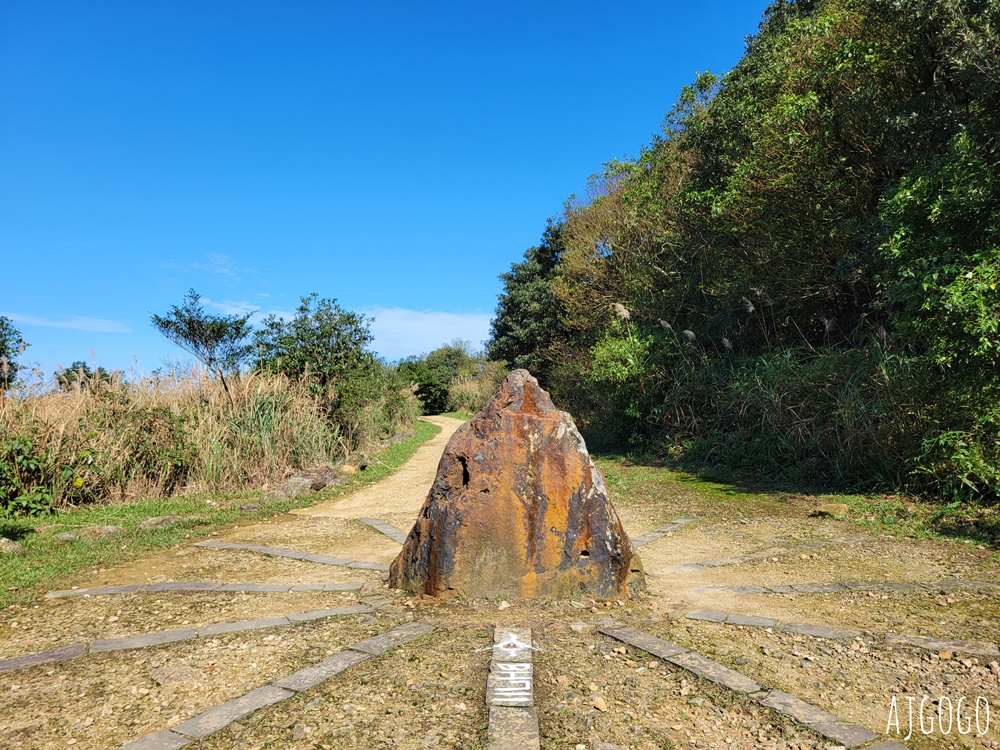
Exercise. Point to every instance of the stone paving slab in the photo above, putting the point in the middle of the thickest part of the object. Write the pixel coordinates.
(202, 586)
(648, 643)
(298, 555)
(662, 531)
(181, 586)
(512, 645)
(97, 591)
(710, 670)
(748, 589)
(819, 631)
(835, 587)
(397, 535)
(959, 585)
(165, 740)
(796, 708)
(314, 675)
(273, 587)
(344, 586)
(277, 552)
(319, 614)
(395, 637)
(142, 641)
(888, 745)
(510, 684)
(219, 717)
(830, 726)
(43, 657)
(979, 648)
(685, 568)
(171, 636)
(847, 734)
(752, 621)
(709, 615)
(383, 567)
(817, 588)
(881, 586)
(721, 562)
(239, 625)
(781, 589)
(513, 728)
(315, 557)
(752, 556)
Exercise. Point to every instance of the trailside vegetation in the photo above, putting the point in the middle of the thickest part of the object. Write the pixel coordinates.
(294, 394)
(797, 277)
(453, 377)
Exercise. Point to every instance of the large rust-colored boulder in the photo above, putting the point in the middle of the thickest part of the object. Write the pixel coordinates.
(517, 509)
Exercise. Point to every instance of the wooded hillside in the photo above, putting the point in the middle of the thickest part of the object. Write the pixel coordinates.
(798, 275)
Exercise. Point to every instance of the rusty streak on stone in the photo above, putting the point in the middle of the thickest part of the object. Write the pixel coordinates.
(518, 509)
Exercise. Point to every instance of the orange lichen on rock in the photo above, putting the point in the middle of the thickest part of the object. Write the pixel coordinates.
(517, 509)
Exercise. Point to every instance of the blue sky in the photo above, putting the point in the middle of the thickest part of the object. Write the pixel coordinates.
(394, 156)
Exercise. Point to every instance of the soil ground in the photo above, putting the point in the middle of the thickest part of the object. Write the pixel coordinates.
(589, 689)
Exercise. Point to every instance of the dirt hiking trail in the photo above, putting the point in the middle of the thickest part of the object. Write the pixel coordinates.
(202, 639)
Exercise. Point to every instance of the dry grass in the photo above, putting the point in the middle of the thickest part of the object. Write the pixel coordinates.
(116, 441)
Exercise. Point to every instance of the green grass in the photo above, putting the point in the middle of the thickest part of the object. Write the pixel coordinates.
(463, 415)
(896, 515)
(45, 564)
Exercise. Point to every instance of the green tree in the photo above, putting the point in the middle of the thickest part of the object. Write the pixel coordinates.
(322, 344)
(217, 341)
(80, 372)
(12, 346)
(434, 373)
(527, 321)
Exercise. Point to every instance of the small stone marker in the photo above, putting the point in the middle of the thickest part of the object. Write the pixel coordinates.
(512, 645)
(510, 693)
(510, 684)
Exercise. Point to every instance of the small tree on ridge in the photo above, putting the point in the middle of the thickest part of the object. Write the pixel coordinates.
(217, 341)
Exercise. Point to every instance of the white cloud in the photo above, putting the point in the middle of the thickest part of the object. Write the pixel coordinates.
(229, 307)
(400, 332)
(73, 322)
(242, 307)
(220, 264)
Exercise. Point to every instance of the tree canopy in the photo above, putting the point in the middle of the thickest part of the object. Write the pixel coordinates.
(12, 346)
(798, 275)
(217, 341)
